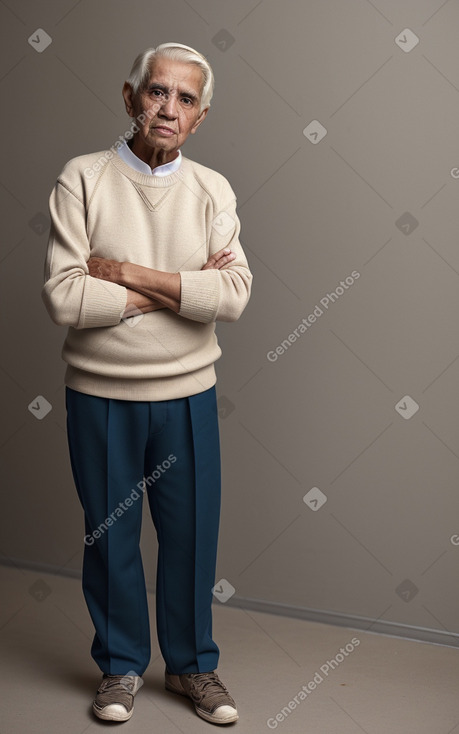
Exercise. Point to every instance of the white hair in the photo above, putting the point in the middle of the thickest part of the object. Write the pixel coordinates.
(140, 72)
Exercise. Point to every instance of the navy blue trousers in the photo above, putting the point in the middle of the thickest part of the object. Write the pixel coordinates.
(169, 450)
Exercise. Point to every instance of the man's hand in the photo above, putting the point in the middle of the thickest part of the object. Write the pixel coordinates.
(220, 259)
(105, 269)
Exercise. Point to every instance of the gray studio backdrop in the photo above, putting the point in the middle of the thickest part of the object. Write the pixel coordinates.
(337, 125)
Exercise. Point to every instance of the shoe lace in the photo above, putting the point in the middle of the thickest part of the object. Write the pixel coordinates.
(126, 682)
(210, 687)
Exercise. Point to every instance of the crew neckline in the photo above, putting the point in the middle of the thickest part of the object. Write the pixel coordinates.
(126, 153)
(148, 179)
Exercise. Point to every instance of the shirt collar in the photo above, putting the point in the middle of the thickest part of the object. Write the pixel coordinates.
(126, 154)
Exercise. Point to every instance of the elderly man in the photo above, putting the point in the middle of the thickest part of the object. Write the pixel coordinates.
(143, 258)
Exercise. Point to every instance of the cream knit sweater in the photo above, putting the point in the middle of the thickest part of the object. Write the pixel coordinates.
(101, 207)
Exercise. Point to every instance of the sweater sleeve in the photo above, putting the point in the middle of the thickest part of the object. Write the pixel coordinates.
(73, 297)
(218, 295)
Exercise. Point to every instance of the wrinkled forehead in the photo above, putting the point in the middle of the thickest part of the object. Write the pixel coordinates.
(176, 77)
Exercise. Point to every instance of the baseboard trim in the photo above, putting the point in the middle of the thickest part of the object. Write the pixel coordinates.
(322, 616)
(351, 621)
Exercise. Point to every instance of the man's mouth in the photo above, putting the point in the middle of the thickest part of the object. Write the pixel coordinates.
(164, 130)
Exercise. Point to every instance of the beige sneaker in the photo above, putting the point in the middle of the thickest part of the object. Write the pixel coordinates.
(210, 697)
(114, 700)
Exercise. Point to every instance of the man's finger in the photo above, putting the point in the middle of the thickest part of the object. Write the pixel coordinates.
(219, 259)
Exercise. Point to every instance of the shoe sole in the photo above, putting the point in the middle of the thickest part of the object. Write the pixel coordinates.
(200, 712)
(112, 717)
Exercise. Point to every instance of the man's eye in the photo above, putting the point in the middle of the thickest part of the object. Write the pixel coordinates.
(187, 100)
(156, 92)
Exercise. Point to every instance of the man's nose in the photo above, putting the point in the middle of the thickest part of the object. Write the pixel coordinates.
(169, 106)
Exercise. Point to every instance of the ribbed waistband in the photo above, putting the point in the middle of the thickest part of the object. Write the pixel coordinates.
(164, 388)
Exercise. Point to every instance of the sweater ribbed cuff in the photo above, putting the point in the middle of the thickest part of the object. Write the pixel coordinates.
(199, 296)
(103, 303)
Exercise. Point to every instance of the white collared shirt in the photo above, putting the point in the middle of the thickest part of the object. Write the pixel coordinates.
(126, 154)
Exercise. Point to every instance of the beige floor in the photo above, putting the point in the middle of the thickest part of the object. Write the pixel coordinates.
(382, 686)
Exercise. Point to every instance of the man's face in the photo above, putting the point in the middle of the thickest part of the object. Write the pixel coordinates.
(171, 101)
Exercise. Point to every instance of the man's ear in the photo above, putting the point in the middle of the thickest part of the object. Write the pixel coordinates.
(200, 119)
(128, 96)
